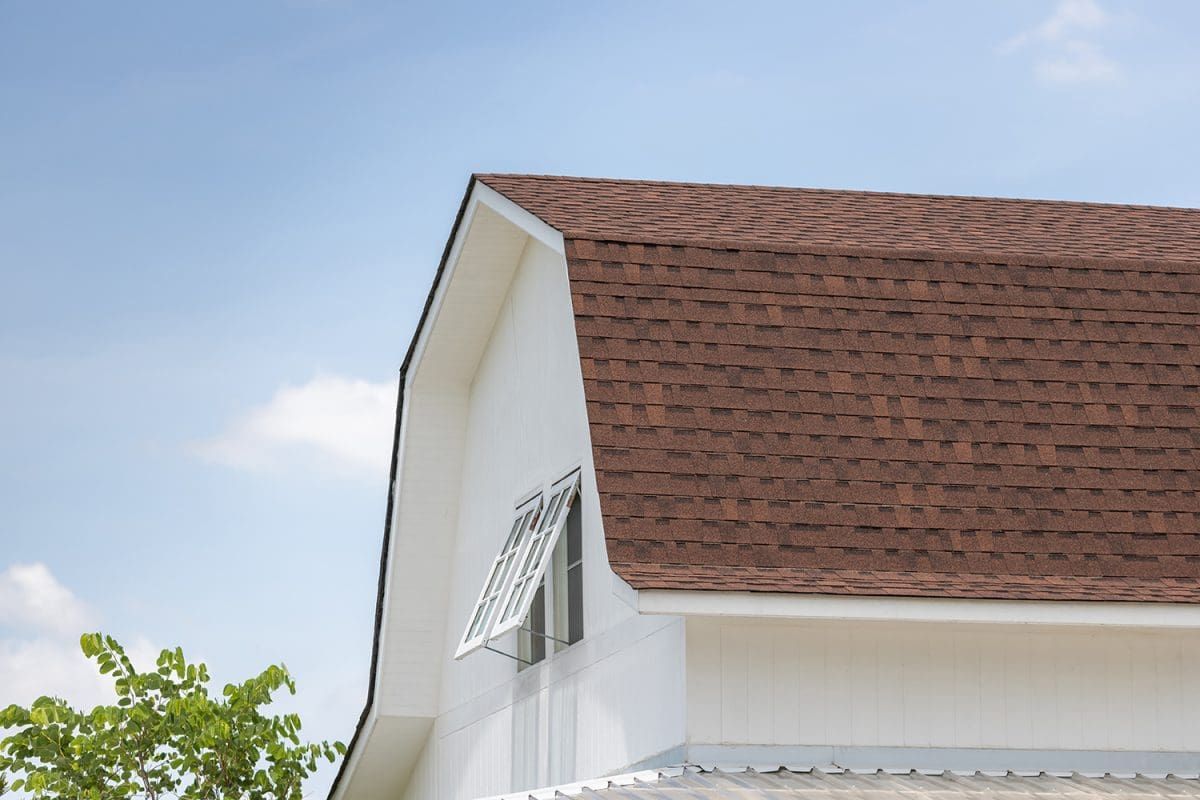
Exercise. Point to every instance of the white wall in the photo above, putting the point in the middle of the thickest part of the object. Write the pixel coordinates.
(429, 475)
(526, 424)
(928, 685)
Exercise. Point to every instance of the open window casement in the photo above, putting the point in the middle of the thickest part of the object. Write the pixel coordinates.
(479, 624)
(537, 555)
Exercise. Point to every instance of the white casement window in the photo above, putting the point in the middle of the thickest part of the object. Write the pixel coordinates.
(515, 592)
(479, 625)
(537, 555)
(556, 616)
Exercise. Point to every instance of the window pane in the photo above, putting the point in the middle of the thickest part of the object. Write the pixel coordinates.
(481, 617)
(499, 574)
(539, 549)
(574, 535)
(537, 624)
(530, 557)
(518, 524)
(518, 594)
(493, 598)
(575, 603)
(536, 557)
(552, 511)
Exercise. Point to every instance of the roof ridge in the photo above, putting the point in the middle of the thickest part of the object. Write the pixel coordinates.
(483, 176)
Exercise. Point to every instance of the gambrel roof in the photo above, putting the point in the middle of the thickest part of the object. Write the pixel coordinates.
(795, 390)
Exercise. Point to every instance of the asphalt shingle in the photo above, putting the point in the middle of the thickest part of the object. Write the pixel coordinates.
(854, 393)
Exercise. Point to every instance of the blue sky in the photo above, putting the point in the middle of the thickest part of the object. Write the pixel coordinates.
(219, 220)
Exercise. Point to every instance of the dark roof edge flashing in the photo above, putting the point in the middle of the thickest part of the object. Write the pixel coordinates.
(391, 496)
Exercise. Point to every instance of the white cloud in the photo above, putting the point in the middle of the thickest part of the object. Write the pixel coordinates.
(341, 423)
(1070, 18)
(40, 624)
(31, 598)
(48, 666)
(1064, 46)
(1079, 62)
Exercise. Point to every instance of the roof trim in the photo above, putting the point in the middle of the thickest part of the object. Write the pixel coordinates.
(519, 216)
(366, 720)
(781, 606)
(581, 223)
(476, 194)
(484, 176)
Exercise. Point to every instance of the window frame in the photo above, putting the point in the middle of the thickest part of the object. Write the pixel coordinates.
(533, 645)
(533, 564)
(511, 554)
(562, 573)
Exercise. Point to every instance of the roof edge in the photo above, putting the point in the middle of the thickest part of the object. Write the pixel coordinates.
(484, 176)
(784, 606)
(380, 596)
(477, 192)
(825, 770)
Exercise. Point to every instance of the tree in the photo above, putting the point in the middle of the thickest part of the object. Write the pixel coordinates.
(165, 737)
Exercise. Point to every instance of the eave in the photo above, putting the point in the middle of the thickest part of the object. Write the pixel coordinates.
(779, 606)
(385, 746)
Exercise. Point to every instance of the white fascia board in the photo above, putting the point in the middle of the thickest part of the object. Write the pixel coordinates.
(354, 756)
(778, 606)
(517, 215)
(481, 194)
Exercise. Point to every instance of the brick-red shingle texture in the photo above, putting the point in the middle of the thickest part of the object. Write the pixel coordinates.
(797, 390)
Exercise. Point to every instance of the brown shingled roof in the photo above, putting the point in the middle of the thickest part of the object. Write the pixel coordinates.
(856, 393)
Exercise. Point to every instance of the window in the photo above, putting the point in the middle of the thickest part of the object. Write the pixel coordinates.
(480, 621)
(567, 572)
(536, 556)
(556, 616)
(519, 592)
(531, 637)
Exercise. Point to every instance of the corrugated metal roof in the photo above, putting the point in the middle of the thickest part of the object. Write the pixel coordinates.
(697, 783)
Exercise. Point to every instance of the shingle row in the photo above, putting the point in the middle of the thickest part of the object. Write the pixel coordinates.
(882, 394)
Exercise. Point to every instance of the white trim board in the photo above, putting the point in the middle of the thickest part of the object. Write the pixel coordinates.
(518, 216)
(500, 208)
(778, 606)
(481, 195)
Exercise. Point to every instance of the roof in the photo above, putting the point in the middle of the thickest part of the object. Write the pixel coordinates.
(694, 783)
(796, 390)
(780, 219)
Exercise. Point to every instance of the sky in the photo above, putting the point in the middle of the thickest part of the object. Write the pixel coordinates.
(219, 222)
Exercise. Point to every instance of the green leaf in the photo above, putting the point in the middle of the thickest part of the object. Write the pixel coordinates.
(167, 735)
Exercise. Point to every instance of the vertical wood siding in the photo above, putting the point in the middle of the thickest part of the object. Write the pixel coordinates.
(556, 726)
(925, 685)
(614, 698)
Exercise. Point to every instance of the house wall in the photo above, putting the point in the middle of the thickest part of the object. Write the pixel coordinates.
(525, 425)
(927, 685)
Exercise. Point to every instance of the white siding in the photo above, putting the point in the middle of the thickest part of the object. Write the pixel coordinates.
(576, 715)
(429, 476)
(584, 714)
(926, 685)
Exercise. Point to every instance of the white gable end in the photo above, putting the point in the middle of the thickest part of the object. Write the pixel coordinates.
(494, 414)
(494, 410)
